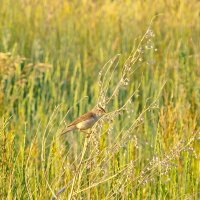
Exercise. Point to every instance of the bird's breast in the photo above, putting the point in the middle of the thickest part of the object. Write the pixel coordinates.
(86, 124)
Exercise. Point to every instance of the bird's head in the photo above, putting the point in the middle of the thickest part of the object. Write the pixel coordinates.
(99, 111)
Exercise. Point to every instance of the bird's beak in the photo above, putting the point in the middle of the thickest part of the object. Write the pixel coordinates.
(102, 109)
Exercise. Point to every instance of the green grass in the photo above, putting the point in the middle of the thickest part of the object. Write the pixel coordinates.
(52, 54)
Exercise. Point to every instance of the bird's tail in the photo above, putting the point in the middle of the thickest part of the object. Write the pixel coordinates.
(70, 128)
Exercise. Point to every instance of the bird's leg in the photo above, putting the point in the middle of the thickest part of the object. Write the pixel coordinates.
(81, 130)
(87, 133)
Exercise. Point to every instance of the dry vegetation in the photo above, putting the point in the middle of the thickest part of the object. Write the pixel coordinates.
(137, 59)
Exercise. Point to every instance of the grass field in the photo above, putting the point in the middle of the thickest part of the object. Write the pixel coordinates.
(138, 59)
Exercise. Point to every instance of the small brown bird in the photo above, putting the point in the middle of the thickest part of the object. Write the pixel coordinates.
(86, 121)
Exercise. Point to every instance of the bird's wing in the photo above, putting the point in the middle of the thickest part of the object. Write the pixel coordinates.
(82, 118)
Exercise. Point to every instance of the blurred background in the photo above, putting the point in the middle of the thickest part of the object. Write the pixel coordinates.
(51, 53)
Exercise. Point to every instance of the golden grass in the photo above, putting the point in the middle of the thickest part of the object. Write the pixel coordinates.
(60, 58)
